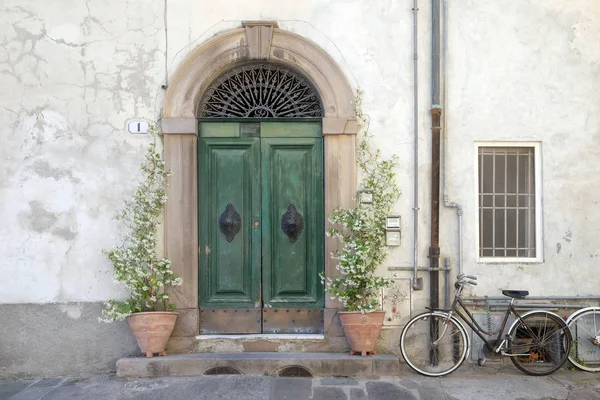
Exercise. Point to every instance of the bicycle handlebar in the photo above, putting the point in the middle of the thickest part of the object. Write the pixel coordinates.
(467, 279)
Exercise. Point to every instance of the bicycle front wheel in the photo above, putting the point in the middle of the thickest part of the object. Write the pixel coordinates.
(422, 353)
(540, 343)
(585, 328)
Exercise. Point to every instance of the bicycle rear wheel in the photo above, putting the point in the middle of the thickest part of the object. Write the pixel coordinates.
(540, 343)
(418, 349)
(585, 328)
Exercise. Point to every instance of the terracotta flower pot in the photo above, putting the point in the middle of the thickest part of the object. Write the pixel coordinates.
(152, 330)
(362, 330)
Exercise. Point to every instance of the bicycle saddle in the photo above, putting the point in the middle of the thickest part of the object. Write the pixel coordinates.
(515, 294)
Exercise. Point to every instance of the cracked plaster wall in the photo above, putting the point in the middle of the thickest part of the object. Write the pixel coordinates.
(71, 76)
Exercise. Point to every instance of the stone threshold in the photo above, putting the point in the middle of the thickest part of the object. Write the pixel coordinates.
(256, 343)
(260, 363)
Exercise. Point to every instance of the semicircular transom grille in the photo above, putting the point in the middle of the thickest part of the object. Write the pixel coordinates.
(261, 90)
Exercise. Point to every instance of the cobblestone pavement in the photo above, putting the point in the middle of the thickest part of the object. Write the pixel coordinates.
(469, 383)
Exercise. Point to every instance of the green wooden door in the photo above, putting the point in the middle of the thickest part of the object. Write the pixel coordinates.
(261, 227)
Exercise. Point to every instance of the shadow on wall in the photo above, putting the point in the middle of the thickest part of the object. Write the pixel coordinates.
(50, 340)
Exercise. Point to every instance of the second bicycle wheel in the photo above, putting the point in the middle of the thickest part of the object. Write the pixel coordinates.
(585, 328)
(421, 353)
(540, 343)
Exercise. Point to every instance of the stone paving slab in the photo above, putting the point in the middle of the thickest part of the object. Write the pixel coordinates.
(10, 388)
(469, 382)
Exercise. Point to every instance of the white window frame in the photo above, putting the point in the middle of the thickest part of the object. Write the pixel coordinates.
(537, 157)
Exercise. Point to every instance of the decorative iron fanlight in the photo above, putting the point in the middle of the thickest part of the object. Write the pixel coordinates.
(260, 90)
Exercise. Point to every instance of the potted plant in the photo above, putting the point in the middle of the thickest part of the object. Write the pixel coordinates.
(361, 231)
(137, 265)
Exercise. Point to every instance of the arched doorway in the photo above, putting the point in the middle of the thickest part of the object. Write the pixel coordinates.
(260, 202)
(261, 41)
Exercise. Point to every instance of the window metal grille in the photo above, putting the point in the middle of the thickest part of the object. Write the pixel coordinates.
(507, 202)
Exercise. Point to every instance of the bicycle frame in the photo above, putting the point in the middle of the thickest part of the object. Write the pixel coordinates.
(436, 342)
(458, 305)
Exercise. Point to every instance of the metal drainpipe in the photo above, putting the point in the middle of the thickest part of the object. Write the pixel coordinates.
(436, 112)
(447, 269)
(447, 202)
(415, 281)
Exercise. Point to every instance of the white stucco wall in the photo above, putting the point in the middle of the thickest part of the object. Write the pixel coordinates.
(72, 76)
(530, 71)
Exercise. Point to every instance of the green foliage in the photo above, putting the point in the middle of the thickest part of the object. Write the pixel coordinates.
(135, 262)
(361, 229)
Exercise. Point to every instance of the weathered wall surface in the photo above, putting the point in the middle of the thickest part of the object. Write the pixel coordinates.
(72, 80)
(530, 71)
(72, 76)
(46, 340)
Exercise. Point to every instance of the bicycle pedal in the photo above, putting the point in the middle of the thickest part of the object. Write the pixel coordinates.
(481, 361)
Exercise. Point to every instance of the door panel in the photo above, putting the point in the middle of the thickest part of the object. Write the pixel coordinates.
(229, 205)
(219, 129)
(292, 233)
(290, 129)
(261, 227)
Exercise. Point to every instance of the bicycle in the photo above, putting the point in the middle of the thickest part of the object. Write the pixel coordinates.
(585, 329)
(435, 343)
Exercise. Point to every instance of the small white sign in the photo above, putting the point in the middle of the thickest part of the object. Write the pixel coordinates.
(138, 127)
(392, 221)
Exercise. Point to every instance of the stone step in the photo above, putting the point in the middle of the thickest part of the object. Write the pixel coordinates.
(264, 363)
(270, 343)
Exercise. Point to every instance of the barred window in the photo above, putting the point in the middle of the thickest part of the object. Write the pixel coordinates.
(507, 202)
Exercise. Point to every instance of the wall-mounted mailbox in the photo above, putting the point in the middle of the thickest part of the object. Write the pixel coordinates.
(392, 238)
(392, 222)
(392, 230)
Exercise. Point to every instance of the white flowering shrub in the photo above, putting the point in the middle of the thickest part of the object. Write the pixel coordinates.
(361, 229)
(135, 262)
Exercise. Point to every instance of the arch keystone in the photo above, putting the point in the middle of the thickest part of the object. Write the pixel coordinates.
(259, 35)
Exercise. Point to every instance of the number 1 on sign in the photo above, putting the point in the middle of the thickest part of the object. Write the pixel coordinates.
(138, 127)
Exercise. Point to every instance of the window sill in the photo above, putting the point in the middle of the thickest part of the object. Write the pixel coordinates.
(509, 260)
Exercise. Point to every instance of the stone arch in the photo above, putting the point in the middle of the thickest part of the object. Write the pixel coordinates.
(255, 41)
(258, 41)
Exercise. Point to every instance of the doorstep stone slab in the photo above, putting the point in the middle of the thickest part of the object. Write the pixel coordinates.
(315, 343)
(386, 366)
(318, 364)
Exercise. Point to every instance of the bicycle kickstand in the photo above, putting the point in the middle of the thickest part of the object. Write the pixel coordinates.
(481, 358)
